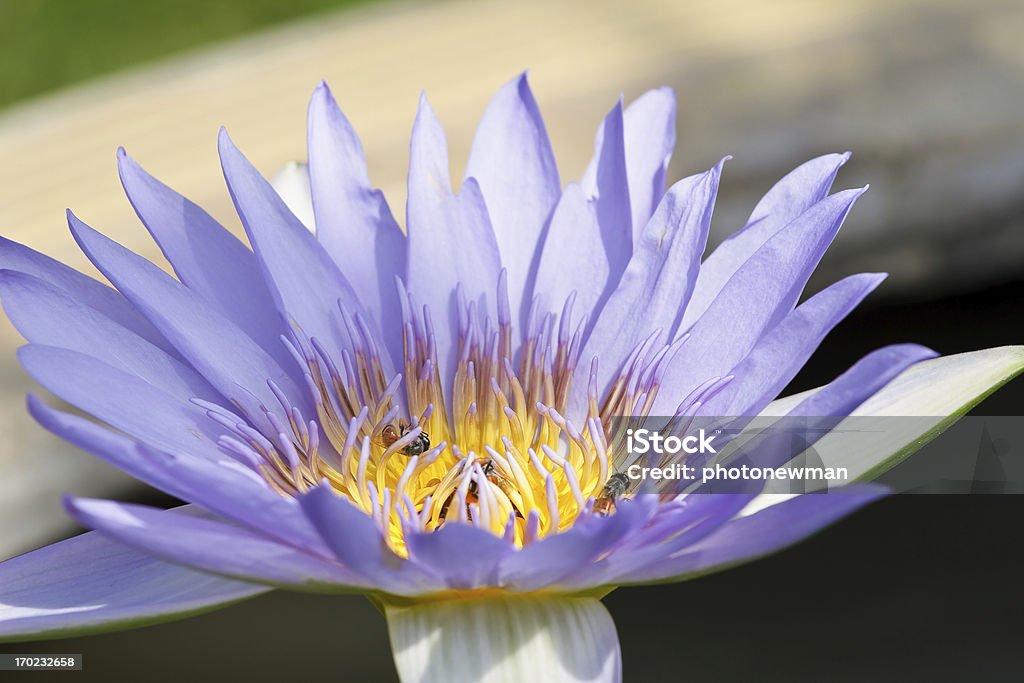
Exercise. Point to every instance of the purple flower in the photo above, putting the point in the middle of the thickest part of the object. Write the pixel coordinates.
(423, 415)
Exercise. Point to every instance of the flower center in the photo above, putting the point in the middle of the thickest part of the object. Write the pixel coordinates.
(495, 450)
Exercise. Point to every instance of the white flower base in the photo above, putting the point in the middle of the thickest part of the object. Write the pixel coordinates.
(494, 639)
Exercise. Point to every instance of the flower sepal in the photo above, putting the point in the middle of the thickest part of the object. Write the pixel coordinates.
(503, 637)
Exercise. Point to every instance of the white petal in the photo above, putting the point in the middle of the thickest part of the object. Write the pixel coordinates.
(292, 185)
(941, 389)
(950, 385)
(505, 639)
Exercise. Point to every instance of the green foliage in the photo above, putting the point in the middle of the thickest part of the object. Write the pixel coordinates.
(46, 44)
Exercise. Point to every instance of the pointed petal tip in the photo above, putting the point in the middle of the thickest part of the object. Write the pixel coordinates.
(35, 405)
(125, 166)
(871, 280)
(73, 507)
(322, 97)
(847, 197)
(423, 103)
(232, 160)
(717, 168)
(521, 84)
(78, 227)
(224, 141)
(130, 172)
(426, 118)
(84, 235)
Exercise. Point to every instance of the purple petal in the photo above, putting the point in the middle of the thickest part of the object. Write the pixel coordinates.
(870, 374)
(45, 315)
(650, 125)
(124, 401)
(305, 282)
(224, 489)
(466, 557)
(780, 354)
(353, 221)
(798, 191)
(82, 288)
(607, 176)
(184, 537)
(557, 557)
(674, 526)
(756, 298)
(573, 257)
(207, 258)
(590, 239)
(359, 545)
(451, 242)
(747, 538)
(89, 583)
(512, 160)
(658, 280)
(232, 362)
(817, 415)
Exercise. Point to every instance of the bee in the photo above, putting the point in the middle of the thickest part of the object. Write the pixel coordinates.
(472, 492)
(490, 472)
(616, 485)
(390, 434)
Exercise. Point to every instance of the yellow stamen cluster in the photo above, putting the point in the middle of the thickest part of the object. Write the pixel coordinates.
(501, 455)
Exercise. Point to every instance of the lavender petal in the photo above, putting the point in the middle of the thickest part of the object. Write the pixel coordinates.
(512, 160)
(89, 584)
(186, 537)
(798, 191)
(207, 258)
(353, 221)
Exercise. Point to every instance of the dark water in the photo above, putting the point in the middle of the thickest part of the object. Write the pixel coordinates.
(911, 588)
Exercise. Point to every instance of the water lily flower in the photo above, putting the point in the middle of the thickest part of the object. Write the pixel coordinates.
(421, 415)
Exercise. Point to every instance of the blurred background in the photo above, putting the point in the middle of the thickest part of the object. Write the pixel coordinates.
(928, 95)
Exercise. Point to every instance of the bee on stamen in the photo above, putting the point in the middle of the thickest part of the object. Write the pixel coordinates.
(473, 491)
(390, 434)
(490, 472)
(616, 485)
